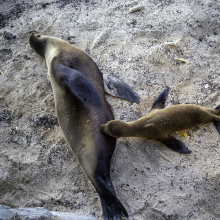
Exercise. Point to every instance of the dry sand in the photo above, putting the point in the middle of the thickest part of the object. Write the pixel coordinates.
(36, 166)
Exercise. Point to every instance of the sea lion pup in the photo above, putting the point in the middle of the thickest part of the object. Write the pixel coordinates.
(161, 123)
(81, 108)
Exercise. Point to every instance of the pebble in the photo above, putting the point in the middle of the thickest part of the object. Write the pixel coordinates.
(201, 38)
(133, 22)
(135, 9)
(207, 86)
(8, 36)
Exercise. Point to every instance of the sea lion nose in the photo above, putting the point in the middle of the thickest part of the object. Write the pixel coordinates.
(34, 33)
(103, 129)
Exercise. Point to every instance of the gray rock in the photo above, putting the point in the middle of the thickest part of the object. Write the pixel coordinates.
(5, 212)
(71, 216)
(39, 213)
(32, 213)
(8, 36)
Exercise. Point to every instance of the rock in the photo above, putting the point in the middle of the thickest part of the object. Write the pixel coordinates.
(71, 216)
(7, 213)
(31, 213)
(8, 36)
(135, 9)
(5, 117)
(46, 120)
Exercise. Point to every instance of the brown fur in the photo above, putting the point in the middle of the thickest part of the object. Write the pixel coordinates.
(161, 123)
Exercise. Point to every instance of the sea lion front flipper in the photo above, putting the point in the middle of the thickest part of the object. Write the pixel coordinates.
(174, 144)
(161, 99)
(119, 89)
(79, 85)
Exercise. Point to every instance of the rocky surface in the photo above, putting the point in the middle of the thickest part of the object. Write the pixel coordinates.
(150, 45)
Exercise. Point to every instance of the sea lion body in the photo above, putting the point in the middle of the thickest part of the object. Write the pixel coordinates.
(81, 108)
(160, 123)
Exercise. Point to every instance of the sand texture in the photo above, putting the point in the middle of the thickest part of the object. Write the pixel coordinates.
(142, 43)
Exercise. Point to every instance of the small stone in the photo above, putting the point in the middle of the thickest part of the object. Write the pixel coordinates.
(26, 57)
(207, 86)
(44, 5)
(135, 9)
(201, 38)
(133, 22)
(8, 36)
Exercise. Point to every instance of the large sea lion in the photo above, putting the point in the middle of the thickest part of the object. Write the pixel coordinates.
(160, 123)
(81, 108)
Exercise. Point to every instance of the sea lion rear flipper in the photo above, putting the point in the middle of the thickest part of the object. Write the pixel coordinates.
(161, 99)
(217, 125)
(120, 89)
(111, 206)
(174, 144)
(79, 85)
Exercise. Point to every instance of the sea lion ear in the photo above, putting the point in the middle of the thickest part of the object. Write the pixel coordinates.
(160, 101)
(79, 85)
(119, 89)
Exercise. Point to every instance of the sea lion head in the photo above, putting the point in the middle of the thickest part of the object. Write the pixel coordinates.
(39, 42)
(114, 128)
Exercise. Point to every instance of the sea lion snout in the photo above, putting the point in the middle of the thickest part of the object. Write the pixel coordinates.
(103, 129)
(114, 128)
(38, 43)
(106, 129)
(34, 35)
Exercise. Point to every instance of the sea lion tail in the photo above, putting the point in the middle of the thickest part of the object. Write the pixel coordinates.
(160, 101)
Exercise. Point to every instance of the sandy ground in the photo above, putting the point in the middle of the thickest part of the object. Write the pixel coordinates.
(36, 166)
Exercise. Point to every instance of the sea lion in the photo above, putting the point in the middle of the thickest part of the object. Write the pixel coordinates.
(160, 123)
(81, 108)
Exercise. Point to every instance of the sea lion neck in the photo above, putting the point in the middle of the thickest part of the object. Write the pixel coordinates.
(50, 54)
